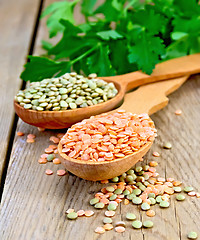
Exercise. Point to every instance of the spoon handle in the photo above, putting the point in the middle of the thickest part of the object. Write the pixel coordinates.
(173, 68)
(152, 97)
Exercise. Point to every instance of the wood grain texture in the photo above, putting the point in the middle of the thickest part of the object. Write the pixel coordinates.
(33, 204)
(16, 24)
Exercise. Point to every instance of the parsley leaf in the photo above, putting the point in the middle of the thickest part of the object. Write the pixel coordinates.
(146, 52)
(109, 34)
(39, 68)
(87, 7)
(99, 62)
(58, 11)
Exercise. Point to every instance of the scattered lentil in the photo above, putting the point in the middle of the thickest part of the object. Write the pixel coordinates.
(180, 197)
(136, 224)
(99, 230)
(164, 204)
(108, 227)
(20, 134)
(120, 223)
(177, 189)
(137, 200)
(80, 213)
(148, 224)
(150, 213)
(130, 216)
(42, 160)
(145, 206)
(30, 140)
(69, 210)
(167, 145)
(72, 215)
(156, 154)
(109, 213)
(120, 229)
(107, 220)
(49, 172)
(178, 112)
(192, 235)
(56, 161)
(89, 213)
(188, 189)
(61, 172)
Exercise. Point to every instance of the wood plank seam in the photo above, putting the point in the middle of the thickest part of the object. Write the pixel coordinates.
(23, 85)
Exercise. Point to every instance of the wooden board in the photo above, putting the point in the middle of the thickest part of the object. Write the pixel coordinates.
(33, 204)
(16, 24)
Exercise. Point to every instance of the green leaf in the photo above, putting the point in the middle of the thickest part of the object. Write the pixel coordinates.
(112, 9)
(178, 35)
(187, 8)
(58, 11)
(87, 7)
(46, 45)
(99, 62)
(110, 34)
(39, 68)
(149, 19)
(146, 52)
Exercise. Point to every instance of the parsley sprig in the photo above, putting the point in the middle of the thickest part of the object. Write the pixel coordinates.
(117, 37)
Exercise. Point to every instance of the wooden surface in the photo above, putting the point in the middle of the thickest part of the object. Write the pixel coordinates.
(33, 204)
(17, 25)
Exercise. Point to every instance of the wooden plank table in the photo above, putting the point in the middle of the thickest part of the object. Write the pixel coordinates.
(33, 205)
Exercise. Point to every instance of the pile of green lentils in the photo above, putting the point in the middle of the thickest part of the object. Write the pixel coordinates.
(69, 91)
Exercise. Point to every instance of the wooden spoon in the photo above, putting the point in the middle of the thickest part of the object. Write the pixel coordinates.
(62, 119)
(139, 101)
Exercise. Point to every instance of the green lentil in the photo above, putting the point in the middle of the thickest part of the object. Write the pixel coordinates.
(110, 189)
(151, 195)
(94, 201)
(99, 205)
(148, 224)
(112, 207)
(177, 189)
(180, 197)
(145, 206)
(57, 89)
(159, 199)
(115, 179)
(188, 189)
(72, 215)
(192, 235)
(130, 196)
(113, 197)
(153, 201)
(164, 204)
(137, 224)
(126, 192)
(167, 145)
(50, 157)
(118, 191)
(107, 220)
(137, 200)
(137, 191)
(130, 216)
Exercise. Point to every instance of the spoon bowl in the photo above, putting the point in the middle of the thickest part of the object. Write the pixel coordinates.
(96, 171)
(62, 119)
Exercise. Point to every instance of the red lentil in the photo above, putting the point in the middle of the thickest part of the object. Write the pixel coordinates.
(56, 161)
(30, 140)
(99, 230)
(49, 172)
(69, 210)
(156, 154)
(109, 213)
(20, 134)
(80, 213)
(61, 172)
(42, 160)
(150, 213)
(31, 136)
(108, 226)
(153, 164)
(120, 229)
(90, 140)
(178, 112)
(192, 194)
(89, 213)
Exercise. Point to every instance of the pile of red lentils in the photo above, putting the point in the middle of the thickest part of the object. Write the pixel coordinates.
(107, 137)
